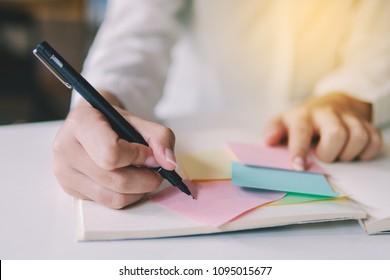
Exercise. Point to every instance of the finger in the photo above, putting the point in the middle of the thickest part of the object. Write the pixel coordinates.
(300, 133)
(374, 144)
(161, 140)
(274, 132)
(75, 193)
(357, 137)
(332, 132)
(104, 146)
(93, 191)
(128, 180)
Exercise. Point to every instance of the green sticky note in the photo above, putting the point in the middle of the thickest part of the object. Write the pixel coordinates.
(293, 198)
(281, 180)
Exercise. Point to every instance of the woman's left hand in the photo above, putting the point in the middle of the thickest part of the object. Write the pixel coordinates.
(340, 123)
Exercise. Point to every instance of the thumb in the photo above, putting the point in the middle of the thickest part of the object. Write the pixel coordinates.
(274, 132)
(160, 139)
(163, 151)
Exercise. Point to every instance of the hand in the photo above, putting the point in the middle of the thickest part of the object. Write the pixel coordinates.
(340, 123)
(92, 162)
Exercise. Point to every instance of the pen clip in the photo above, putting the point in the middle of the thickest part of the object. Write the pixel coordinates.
(48, 66)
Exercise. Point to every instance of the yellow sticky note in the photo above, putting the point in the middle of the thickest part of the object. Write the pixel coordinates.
(206, 165)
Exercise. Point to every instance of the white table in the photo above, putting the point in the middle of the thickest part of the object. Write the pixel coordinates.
(37, 222)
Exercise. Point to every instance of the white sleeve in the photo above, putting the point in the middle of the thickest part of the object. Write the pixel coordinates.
(364, 70)
(130, 54)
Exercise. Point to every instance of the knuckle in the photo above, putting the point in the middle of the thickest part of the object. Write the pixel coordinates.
(64, 180)
(119, 183)
(56, 146)
(141, 180)
(302, 129)
(360, 137)
(346, 157)
(118, 201)
(73, 119)
(376, 140)
(65, 135)
(325, 157)
(137, 155)
(338, 133)
(109, 156)
(155, 182)
(74, 193)
(165, 132)
(60, 142)
(151, 180)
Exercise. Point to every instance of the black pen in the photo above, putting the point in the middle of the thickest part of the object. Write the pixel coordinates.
(72, 79)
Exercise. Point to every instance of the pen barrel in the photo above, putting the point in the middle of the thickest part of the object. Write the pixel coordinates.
(174, 179)
(171, 176)
(118, 123)
(124, 129)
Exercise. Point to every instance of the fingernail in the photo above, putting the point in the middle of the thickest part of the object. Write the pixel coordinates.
(151, 161)
(298, 164)
(170, 157)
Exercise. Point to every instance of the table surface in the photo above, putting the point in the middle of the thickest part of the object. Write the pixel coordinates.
(37, 218)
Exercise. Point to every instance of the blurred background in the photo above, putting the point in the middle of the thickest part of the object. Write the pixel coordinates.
(28, 91)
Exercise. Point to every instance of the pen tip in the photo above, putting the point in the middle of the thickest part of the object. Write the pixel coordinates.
(193, 197)
(184, 189)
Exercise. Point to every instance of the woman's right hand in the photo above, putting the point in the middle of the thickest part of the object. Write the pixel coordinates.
(92, 162)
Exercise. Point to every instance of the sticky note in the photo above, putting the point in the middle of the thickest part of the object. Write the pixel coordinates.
(281, 180)
(206, 165)
(293, 198)
(216, 203)
(273, 157)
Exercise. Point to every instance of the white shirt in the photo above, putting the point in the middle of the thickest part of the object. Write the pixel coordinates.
(250, 54)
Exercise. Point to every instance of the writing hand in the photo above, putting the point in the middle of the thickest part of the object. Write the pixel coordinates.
(92, 162)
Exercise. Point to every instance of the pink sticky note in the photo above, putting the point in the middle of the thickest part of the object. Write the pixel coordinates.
(273, 157)
(216, 203)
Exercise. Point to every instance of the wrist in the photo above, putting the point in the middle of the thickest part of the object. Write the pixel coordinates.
(364, 109)
(345, 102)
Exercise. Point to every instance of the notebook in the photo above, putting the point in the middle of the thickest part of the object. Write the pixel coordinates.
(364, 199)
(367, 185)
(147, 219)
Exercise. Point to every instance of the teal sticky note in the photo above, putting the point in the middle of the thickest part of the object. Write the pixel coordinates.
(281, 180)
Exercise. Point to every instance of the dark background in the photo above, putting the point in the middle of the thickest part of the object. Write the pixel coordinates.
(28, 91)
